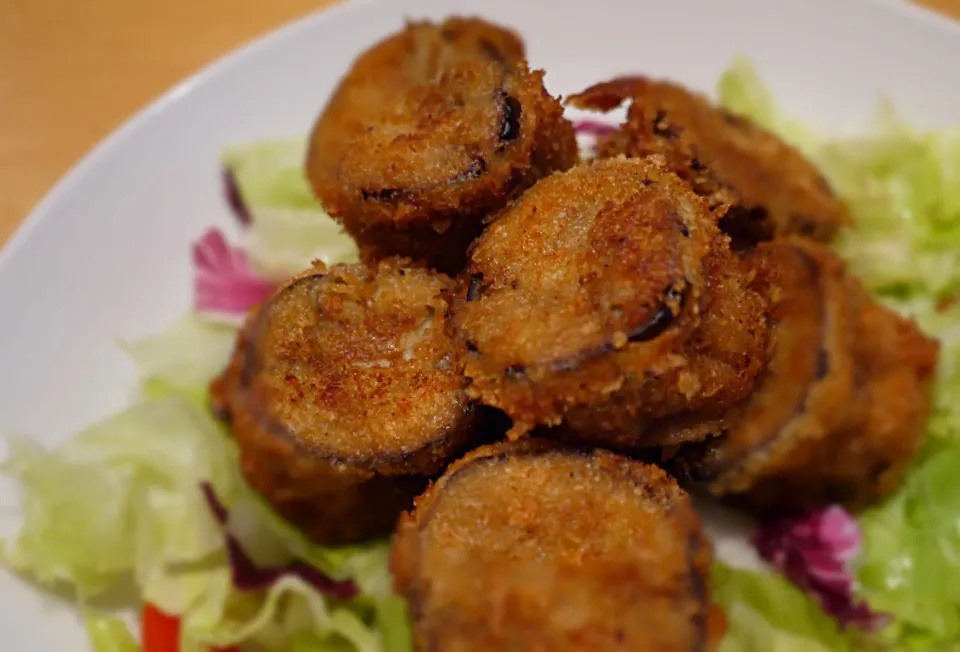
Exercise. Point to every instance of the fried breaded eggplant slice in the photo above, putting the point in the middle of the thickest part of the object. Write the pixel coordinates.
(585, 298)
(897, 364)
(772, 189)
(345, 396)
(811, 432)
(721, 361)
(431, 130)
(529, 546)
(809, 373)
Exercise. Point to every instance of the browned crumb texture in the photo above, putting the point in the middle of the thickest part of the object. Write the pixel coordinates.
(839, 410)
(345, 395)
(431, 130)
(526, 546)
(896, 364)
(584, 299)
(716, 368)
(772, 189)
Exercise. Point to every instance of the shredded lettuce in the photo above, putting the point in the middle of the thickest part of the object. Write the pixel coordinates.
(905, 192)
(903, 187)
(288, 227)
(115, 498)
(122, 502)
(741, 90)
(394, 624)
(186, 355)
(766, 613)
(912, 554)
(109, 634)
(349, 634)
(270, 174)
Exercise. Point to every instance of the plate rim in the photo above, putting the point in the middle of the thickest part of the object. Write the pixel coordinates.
(237, 55)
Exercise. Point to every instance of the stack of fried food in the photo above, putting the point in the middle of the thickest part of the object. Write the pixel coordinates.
(671, 301)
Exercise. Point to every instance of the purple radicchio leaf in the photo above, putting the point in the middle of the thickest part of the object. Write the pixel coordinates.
(247, 576)
(815, 551)
(223, 279)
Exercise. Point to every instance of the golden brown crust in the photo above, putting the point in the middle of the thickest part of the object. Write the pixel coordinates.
(863, 458)
(898, 365)
(431, 130)
(839, 410)
(591, 274)
(771, 188)
(808, 375)
(527, 545)
(588, 299)
(720, 363)
(345, 395)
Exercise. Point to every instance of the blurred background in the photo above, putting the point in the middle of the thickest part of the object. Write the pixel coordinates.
(72, 70)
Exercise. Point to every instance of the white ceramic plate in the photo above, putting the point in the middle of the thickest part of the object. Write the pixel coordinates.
(105, 255)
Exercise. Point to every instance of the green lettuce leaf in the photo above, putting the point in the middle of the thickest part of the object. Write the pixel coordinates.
(184, 357)
(766, 613)
(394, 624)
(904, 190)
(269, 174)
(122, 500)
(912, 554)
(289, 228)
(741, 90)
(109, 634)
(114, 499)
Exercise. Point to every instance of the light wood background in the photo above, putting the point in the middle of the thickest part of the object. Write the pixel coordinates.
(68, 77)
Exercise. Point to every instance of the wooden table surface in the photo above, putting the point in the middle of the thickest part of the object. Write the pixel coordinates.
(72, 70)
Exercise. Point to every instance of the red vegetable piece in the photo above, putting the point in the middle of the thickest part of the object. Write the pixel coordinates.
(161, 632)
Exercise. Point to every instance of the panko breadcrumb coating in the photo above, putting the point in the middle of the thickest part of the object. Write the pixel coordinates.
(529, 546)
(584, 300)
(839, 410)
(345, 396)
(771, 188)
(433, 129)
(720, 364)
